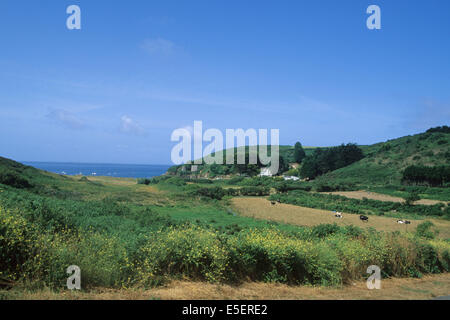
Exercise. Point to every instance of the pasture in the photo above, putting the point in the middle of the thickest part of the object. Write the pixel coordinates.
(261, 208)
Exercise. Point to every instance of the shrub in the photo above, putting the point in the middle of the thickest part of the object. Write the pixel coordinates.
(235, 180)
(424, 230)
(254, 191)
(411, 198)
(213, 193)
(14, 180)
(324, 230)
(193, 252)
(28, 254)
(143, 181)
(267, 255)
(176, 181)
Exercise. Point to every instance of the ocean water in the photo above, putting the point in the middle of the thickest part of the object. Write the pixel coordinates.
(99, 169)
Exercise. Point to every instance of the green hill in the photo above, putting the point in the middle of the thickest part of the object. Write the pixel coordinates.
(20, 176)
(205, 170)
(384, 162)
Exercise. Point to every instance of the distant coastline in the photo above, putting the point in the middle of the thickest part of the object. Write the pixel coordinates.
(101, 169)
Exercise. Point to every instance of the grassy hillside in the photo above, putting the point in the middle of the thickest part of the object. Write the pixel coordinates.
(205, 170)
(383, 162)
(20, 176)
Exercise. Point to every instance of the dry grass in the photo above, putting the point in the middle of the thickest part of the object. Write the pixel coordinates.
(378, 196)
(427, 287)
(126, 188)
(261, 208)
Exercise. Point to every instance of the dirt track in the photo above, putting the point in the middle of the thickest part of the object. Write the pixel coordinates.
(429, 287)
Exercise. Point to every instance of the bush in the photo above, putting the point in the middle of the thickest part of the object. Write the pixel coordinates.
(143, 181)
(443, 129)
(14, 180)
(424, 230)
(324, 230)
(254, 191)
(191, 252)
(216, 193)
(176, 181)
(235, 180)
(28, 254)
(268, 255)
(411, 198)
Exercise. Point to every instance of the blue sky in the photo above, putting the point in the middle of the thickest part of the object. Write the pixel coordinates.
(116, 89)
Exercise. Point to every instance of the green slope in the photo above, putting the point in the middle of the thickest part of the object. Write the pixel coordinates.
(20, 176)
(384, 162)
(286, 155)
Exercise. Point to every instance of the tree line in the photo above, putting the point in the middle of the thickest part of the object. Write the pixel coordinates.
(434, 176)
(325, 160)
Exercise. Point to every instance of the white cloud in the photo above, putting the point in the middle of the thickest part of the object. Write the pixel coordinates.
(158, 46)
(128, 125)
(66, 118)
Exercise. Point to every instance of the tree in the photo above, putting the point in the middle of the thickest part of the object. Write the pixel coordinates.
(411, 198)
(330, 159)
(299, 153)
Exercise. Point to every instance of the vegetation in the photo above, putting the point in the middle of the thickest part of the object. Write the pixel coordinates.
(299, 153)
(182, 225)
(443, 129)
(411, 198)
(384, 163)
(325, 255)
(287, 155)
(365, 206)
(434, 176)
(323, 161)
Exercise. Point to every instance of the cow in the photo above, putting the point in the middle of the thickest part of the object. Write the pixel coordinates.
(403, 222)
(338, 215)
(364, 218)
(272, 203)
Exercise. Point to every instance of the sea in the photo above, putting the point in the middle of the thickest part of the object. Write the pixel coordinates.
(102, 169)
